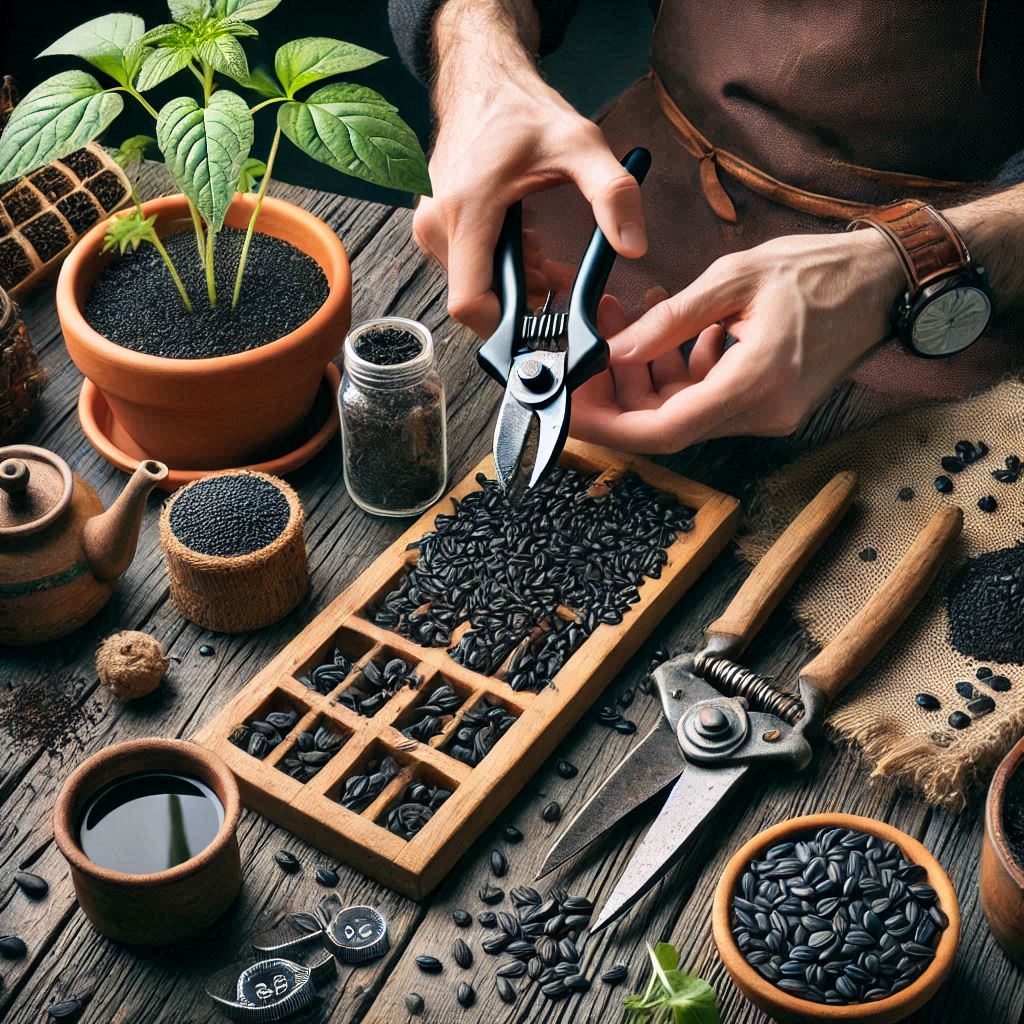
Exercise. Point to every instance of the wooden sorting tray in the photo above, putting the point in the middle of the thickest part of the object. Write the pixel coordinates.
(480, 793)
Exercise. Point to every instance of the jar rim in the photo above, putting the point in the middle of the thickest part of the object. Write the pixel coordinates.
(393, 375)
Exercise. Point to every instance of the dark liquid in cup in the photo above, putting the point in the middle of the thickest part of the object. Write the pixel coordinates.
(149, 822)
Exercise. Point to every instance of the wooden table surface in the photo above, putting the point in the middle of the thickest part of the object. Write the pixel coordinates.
(66, 956)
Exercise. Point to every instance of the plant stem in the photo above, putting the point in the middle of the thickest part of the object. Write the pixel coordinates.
(211, 286)
(267, 102)
(166, 256)
(264, 182)
(150, 109)
(207, 82)
(197, 223)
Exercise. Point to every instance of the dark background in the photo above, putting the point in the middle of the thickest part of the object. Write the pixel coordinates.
(606, 49)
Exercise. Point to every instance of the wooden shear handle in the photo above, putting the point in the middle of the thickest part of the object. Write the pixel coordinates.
(849, 652)
(781, 565)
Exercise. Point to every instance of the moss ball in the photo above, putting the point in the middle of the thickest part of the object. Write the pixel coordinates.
(131, 664)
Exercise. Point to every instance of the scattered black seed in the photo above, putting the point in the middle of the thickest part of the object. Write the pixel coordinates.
(928, 702)
(465, 994)
(1000, 684)
(958, 720)
(287, 861)
(1005, 476)
(327, 877)
(33, 886)
(462, 953)
(867, 554)
(615, 975)
(506, 990)
(983, 673)
(988, 503)
(135, 304)
(511, 834)
(552, 811)
(418, 803)
(624, 725)
(206, 651)
(387, 346)
(985, 603)
(567, 769)
(487, 919)
(68, 1011)
(943, 485)
(376, 684)
(491, 894)
(626, 698)
(906, 494)
(359, 791)
(965, 689)
(462, 918)
(228, 516)
(499, 864)
(414, 1004)
(952, 463)
(840, 917)
(429, 964)
(12, 947)
(981, 706)
(325, 677)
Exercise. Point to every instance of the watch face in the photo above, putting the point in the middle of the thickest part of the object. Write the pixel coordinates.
(951, 321)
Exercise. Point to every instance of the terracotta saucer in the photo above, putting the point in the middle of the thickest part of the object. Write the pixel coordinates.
(109, 438)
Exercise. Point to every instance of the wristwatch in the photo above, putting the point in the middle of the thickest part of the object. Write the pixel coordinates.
(948, 301)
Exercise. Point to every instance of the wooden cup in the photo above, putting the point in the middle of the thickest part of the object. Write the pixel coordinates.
(166, 906)
(789, 1009)
(1001, 878)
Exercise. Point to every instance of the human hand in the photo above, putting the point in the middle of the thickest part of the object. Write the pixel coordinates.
(804, 310)
(503, 133)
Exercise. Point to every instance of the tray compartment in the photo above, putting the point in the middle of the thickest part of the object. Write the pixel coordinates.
(380, 678)
(435, 710)
(264, 732)
(334, 662)
(408, 812)
(480, 728)
(312, 748)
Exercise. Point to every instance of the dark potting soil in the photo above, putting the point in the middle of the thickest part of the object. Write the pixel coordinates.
(388, 346)
(986, 607)
(1013, 815)
(135, 304)
(229, 515)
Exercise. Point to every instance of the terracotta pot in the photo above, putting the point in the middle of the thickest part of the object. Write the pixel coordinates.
(1001, 877)
(225, 411)
(166, 906)
(789, 1009)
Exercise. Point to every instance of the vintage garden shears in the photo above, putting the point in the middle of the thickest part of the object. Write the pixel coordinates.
(720, 719)
(542, 357)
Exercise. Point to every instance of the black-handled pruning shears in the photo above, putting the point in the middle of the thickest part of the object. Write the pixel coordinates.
(541, 357)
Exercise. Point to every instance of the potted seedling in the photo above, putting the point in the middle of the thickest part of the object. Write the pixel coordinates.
(206, 319)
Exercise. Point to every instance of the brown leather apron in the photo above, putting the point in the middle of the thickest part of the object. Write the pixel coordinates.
(772, 117)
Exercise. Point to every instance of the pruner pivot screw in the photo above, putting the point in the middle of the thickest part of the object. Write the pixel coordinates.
(772, 736)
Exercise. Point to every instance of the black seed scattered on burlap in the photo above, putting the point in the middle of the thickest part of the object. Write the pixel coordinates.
(986, 607)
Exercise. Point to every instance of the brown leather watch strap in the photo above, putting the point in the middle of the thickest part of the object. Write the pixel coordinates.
(927, 244)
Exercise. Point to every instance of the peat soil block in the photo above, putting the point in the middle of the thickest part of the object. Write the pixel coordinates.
(135, 304)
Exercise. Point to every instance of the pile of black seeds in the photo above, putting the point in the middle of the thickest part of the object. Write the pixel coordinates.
(841, 917)
(1013, 815)
(985, 602)
(378, 682)
(310, 752)
(229, 515)
(135, 304)
(434, 713)
(977, 702)
(387, 346)
(360, 791)
(611, 716)
(512, 566)
(416, 808)
(259, 736)
(325, 677)
(479, 730)
(49, 714)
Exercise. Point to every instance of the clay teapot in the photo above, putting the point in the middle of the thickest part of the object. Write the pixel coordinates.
(60, 553)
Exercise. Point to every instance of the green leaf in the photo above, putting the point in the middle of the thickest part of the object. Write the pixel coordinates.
(252, 170)
(693, 999)
(127, 231)
(167, 34)
(224, 53)
(304, 61)
(132, 151)
(205, 148)
(246, 10)
(263, 82)
(235, 27)
(160, 64)
(187, 10)
(356, 131)
(102, 43)
(56, 118)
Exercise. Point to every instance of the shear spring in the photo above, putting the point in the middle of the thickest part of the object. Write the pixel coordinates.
(760, 692)
(544, 326)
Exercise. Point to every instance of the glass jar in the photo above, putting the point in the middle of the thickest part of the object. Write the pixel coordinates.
(393, 423)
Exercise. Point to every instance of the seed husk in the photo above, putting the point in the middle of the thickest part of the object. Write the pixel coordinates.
(491, 894)
(511, 834)
(615, 975)
(414, 1004)
(567, 769)
(465, 994)
(506, 990)
(462, 918)
(552, 811)
(462, 953)
(499, 864)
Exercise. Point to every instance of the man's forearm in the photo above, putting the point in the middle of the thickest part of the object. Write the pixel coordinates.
(993, 229)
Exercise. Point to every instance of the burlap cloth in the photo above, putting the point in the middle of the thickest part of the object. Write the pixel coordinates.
(878, 713)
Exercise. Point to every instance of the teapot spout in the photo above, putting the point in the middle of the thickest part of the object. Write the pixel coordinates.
(110, 538)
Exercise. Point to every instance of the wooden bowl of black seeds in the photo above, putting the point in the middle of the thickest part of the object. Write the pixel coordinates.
(834, 917)
(1002, 855)
(234, 550)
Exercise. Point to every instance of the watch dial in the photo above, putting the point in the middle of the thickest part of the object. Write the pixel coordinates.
(951, 321)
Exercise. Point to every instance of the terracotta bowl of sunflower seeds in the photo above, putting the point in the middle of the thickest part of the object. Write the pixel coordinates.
(835, 917)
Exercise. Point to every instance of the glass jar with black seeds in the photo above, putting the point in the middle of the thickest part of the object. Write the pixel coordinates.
(393, 422)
